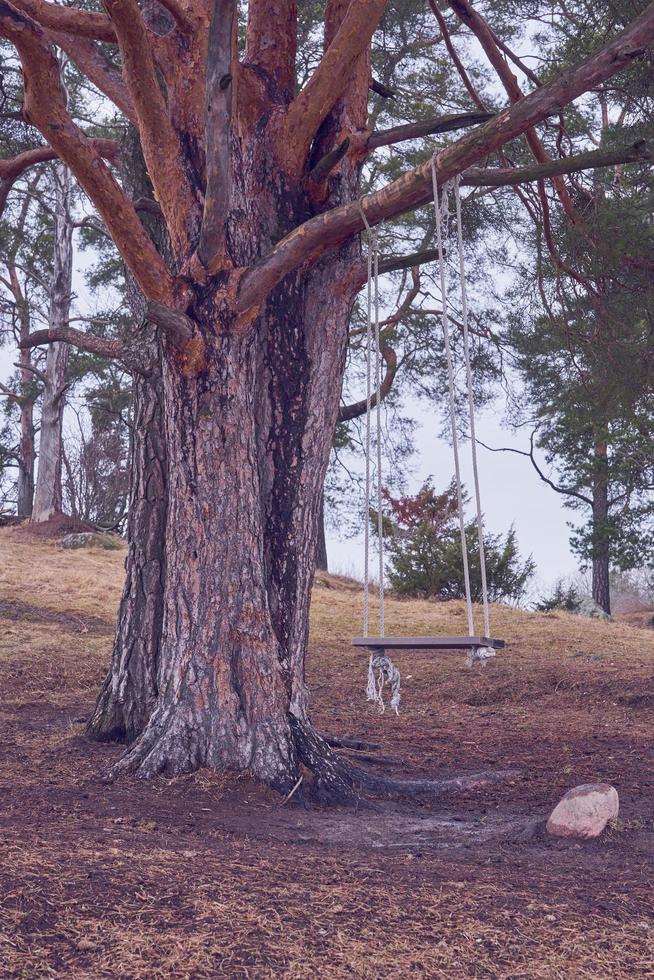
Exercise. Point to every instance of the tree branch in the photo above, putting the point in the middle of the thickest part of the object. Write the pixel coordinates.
(160, 143)
(45, 107)
(178, 326)
(566, 491)
(379, 89)
(458, 64)
(348, 412)
(12, 169)
(331, 77)
(10, 394)
(313, 238)
(592, 160)
(69, 20)
(330, 160)
(482, 31)
(427, 127)
(32, 370)
(218, 115)
(69, 335)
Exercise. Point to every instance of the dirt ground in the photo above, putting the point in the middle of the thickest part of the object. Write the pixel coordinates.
(211, 876)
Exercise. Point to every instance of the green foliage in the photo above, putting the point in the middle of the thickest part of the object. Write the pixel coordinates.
(563, 596)
(424, 551)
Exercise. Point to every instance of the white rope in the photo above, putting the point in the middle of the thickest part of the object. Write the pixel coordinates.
(378, 380)
(387, 673)
(450, 376)
(373, 289)
(471, 405)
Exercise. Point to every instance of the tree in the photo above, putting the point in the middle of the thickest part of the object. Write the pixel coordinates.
(252, 313)
(580, 312)
(48, 493)
(424, 551)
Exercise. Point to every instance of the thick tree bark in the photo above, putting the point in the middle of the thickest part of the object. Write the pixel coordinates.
(130, 688)
(322, 563)
(48, 498)
(601, 544)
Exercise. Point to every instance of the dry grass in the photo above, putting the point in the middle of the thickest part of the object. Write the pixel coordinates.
(207, 877)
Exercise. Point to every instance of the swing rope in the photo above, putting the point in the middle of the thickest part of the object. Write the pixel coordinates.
(445, 321)
(373, 349)
(381, 669)
(471, 405)
(441, 215)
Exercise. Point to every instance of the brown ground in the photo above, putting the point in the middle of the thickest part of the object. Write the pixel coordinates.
(210, 876)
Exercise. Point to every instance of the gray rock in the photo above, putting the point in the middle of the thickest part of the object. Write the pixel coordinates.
(584, 811)
(91, 539)
(588, 607)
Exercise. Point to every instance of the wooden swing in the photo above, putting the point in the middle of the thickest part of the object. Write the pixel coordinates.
(479, 648)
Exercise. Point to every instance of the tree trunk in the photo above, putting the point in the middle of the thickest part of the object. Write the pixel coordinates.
(130, 688)
(26, 452)
(250, 411)
(248, 443)
(322, 564)
(48, 497)
(601, 543)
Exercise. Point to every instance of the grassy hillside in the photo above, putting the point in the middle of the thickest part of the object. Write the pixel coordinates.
(209, 875)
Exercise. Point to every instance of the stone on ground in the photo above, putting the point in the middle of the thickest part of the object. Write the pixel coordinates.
(91, 539)
(584, 811)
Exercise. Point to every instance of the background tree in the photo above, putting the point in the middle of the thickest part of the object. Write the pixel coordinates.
(581, 313)
(423, 547)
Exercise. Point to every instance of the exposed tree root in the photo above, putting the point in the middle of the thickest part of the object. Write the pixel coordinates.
(173, 749)
(351, 743)
(339, 781)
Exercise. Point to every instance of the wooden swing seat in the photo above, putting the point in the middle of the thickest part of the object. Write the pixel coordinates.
(426, 642)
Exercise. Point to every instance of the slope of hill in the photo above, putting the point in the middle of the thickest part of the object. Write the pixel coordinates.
(210, 875)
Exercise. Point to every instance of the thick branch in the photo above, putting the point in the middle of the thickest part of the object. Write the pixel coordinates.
(318, 235)
(69, 335)
(218, 116)
(380, 89)
(330, 160)
(458, 64)
(69, 20)
(271, 41)
(348, 412)
(469, 16)
(331, 77)
(427, 127)
(592, 160)
(177, 325)
(45, 107)
(11, 170)
(161, 146)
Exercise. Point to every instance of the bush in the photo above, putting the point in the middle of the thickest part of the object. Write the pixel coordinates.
(424, 551)
(563, 596)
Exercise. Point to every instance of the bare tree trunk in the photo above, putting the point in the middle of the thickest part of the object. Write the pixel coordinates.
(322, 563)
(26, 452)
(601, 544)
(48, 496)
